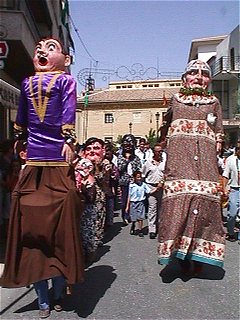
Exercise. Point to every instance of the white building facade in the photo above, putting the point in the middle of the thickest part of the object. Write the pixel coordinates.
(223, 55)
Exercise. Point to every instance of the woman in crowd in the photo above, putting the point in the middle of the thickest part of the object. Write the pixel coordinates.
(94, 150)
(127, 163)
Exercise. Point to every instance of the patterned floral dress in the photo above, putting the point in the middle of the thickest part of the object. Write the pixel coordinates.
(190, 223)
(100, 206)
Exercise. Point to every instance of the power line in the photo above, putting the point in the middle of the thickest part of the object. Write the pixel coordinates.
(79, 37)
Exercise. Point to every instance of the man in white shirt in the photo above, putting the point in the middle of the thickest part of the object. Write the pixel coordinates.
(140, 151)
(231, 185)
(153, 171)
(148, 151)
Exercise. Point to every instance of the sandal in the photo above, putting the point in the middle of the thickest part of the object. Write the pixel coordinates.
(57, 305)
(231, 238)
(44, 313)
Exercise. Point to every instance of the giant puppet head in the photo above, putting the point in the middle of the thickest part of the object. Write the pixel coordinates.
(94, 150)
(197, 75)
(49, 56)
(84, 167)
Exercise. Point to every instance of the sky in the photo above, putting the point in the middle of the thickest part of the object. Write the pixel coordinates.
(113, 35)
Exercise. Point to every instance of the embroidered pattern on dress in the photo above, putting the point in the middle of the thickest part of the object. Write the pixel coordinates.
(194, 99)
(191, 127)
(186, 245)
(181, 186)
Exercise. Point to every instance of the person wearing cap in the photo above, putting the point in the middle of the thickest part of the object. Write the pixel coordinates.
(190, 226)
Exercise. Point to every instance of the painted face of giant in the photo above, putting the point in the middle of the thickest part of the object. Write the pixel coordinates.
(197, 75)
(48, 56)
(94, 152)
(85, 167)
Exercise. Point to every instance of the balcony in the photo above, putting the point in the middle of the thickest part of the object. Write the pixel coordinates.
(24, 22)
(226, 68)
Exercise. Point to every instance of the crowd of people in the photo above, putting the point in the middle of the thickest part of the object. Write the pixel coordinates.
(95, 156)
(105, 175)
(133, 175)
(58, 197)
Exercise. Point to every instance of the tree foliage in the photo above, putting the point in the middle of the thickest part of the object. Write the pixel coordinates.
(151, 137)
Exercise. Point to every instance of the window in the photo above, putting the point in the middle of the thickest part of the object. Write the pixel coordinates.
(137, 117)
(108, 139)
(163, 115)
(108, 118)
(232, 59)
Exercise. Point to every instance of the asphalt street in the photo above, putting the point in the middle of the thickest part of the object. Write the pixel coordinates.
(126, 282)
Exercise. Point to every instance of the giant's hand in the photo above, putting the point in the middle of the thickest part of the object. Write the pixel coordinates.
(68, 153)
(219, 146)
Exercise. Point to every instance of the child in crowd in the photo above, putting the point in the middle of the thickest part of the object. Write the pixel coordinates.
(136, 202)
(20, 149)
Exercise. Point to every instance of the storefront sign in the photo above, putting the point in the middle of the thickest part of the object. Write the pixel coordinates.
(3, 49)
(9, 95)
(3, 52)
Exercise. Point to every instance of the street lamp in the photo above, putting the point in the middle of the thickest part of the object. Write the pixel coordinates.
(157, 115)
(130, 127)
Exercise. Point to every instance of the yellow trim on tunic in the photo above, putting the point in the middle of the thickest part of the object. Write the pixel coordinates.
(67, 126)
(47, 163)
(41, 106)
(48, 72)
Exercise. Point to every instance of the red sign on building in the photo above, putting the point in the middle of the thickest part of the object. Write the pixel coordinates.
(3, 49)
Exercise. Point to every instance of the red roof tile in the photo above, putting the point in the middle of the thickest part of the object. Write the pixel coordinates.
(126, 95)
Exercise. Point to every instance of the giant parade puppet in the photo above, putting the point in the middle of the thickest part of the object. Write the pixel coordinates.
(43, 240)
(191, 227)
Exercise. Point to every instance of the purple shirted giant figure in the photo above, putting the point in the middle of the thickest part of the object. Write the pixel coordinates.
(44, 240)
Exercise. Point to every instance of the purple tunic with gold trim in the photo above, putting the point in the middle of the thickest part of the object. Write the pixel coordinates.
(44, 240)
(47, 106)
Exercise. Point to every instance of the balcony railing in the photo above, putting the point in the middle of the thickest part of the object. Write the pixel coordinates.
(226, 64)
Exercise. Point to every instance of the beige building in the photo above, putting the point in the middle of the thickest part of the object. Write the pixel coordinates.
(124, 107)
(138, 106)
